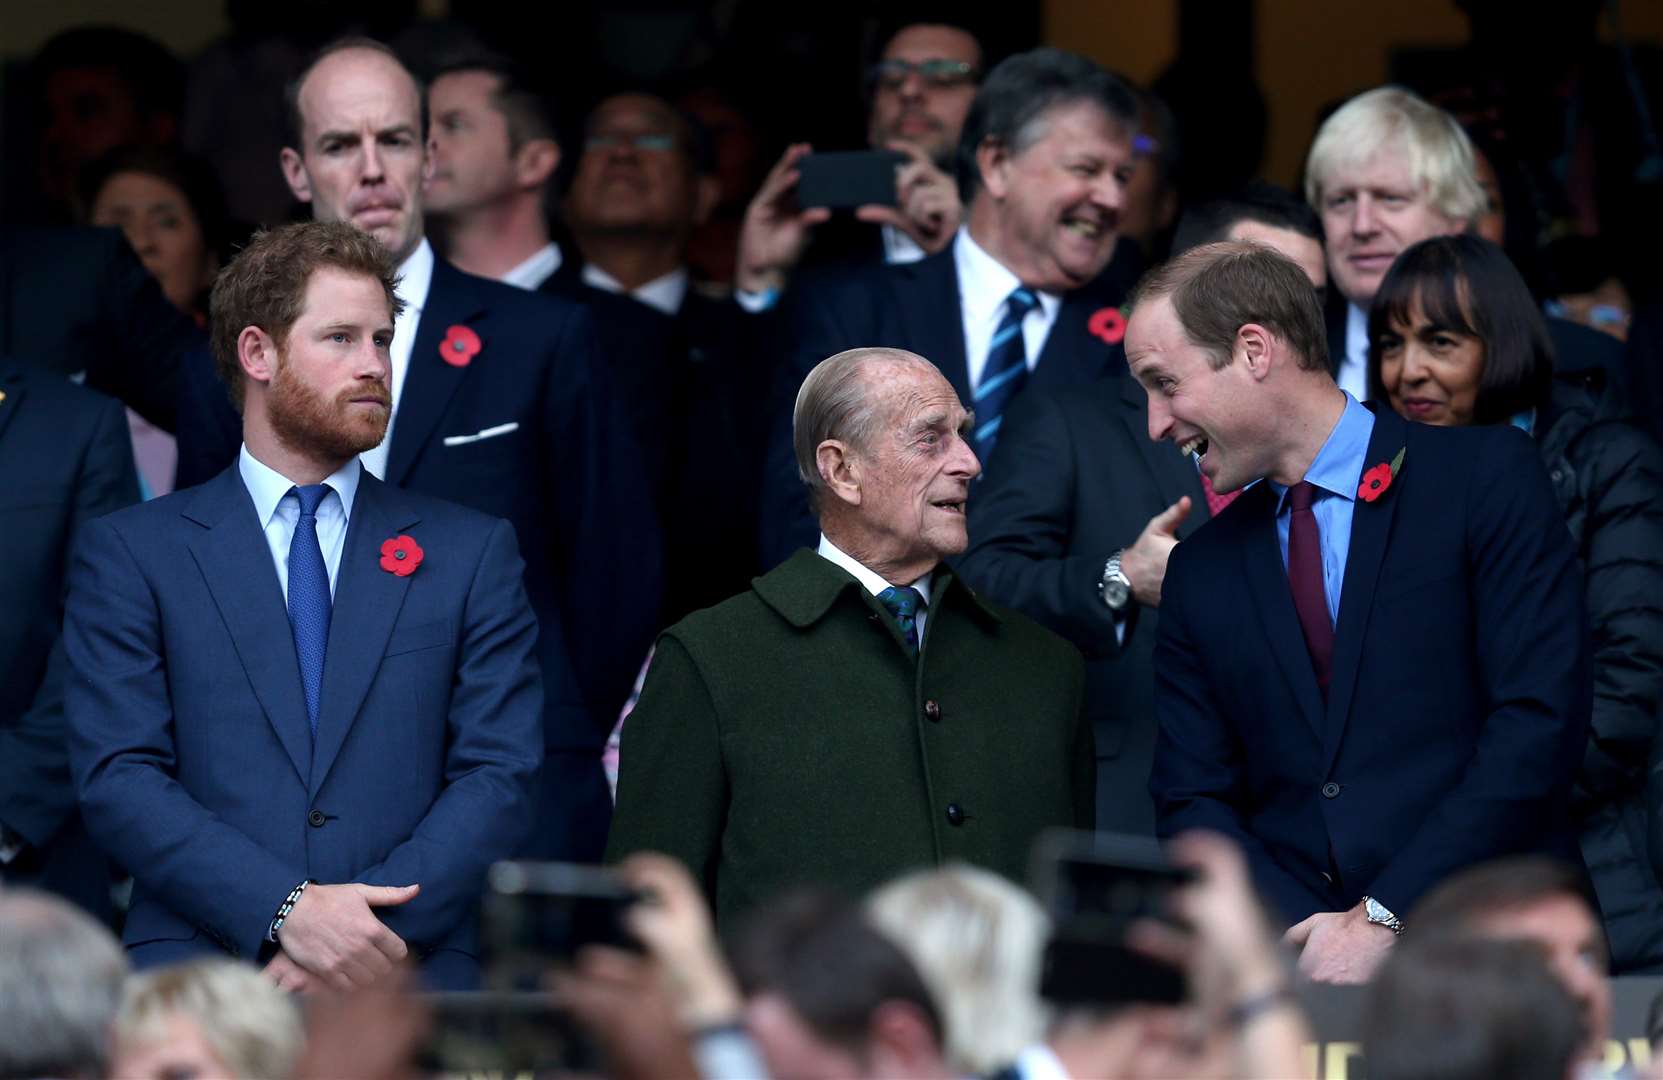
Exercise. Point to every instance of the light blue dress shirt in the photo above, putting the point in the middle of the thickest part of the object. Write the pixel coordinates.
(279, 512)
(1335, 473)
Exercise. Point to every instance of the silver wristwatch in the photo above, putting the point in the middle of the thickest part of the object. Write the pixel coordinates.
(1382, 915)
(1117, 587)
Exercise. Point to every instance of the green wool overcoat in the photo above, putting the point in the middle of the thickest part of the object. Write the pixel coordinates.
(784, 738)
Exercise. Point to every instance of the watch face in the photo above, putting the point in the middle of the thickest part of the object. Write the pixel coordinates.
(1115, 593)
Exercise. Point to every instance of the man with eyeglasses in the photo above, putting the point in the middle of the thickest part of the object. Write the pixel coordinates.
(920, 91)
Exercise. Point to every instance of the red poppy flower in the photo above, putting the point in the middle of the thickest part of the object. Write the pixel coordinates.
(1375, 482)
(400, 555)
(460, 346)
(1107, 323)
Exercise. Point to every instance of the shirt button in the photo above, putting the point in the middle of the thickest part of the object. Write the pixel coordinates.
(955, 814)
(315, 819)
(932, 711)
(1330, 790)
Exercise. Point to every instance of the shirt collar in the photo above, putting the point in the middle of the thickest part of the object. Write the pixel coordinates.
(535, 270)
(870, 581)
(663, 293)
(985, 283)
(1040, 1062)
(266, 486)
(1338, 467)
(415, 277)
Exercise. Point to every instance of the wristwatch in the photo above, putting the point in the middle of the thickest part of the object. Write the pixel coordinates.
(1382, 915)
(1117, 587)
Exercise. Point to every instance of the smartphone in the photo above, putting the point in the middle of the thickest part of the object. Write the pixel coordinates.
(476, 1034)
(1095, 886)
(848, 179)
(538, 914)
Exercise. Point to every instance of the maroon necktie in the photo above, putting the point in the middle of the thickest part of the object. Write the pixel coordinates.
(1310, 599)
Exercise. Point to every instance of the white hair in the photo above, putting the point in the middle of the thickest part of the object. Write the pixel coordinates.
(249, 1024)
(1390, 118)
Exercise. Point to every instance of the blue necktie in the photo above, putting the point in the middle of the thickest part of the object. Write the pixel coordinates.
(903, 604)
(1005, 371)
(309, 604)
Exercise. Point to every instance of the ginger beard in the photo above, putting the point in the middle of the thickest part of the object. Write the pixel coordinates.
(342, 428)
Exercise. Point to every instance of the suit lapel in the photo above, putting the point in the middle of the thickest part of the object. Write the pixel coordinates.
(927, 292)
(1071, 354)
(1262, 558)
(430, 383)
(1371, 526)
(1175, 475)
(235, 562)
(367, 603)
(12, 387)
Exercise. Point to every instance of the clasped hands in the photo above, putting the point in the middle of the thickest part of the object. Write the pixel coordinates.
(333, 938)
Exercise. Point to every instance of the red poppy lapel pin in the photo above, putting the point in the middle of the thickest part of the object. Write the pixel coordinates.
(400, 555)
(1108, 324)
(460, 346)
(1378, 479)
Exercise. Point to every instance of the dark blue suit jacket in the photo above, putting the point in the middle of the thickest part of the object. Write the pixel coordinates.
(189, 738)
(570, 480)
(68, 457)
(1461, 690)
(914, 306)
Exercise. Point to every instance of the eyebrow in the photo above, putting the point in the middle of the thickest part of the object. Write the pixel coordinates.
(353, 136)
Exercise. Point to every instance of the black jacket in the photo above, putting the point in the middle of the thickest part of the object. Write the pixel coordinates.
(1608, 477)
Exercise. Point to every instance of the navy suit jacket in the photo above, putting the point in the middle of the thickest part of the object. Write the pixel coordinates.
(1073, 478)
(68, 459)
(570, 480)
(190, 744)
(1461, 688)
(914, 306)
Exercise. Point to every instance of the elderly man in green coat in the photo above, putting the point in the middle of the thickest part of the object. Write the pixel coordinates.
(859, 712)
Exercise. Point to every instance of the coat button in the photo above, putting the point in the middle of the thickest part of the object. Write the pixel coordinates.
(932, 711)
(315, 819)
(955, 814)
(1330, 790)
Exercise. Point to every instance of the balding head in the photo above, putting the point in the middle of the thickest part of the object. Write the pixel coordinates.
(60, 980)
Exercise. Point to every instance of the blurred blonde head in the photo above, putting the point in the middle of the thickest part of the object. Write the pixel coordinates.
(977, 940)
(1390, 119)
(207, 1018)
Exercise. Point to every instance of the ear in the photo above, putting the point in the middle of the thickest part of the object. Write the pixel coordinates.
(257, 354)
(536, 162)
(1255, 346)
(900, 1037)
(294, 171)
(993, 160)
(839, 468)
(707, 191)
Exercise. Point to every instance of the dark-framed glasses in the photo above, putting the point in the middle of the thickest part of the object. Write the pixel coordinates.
(941, 74)
(653, 141)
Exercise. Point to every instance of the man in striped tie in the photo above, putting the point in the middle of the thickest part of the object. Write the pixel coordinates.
(305, 707)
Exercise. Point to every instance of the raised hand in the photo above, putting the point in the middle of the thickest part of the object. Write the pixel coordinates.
(776, 230)
(927, 202)
(1144, 563)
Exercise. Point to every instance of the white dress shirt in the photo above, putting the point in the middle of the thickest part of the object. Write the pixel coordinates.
(984, 286)
(1353, 375)
(900, 248)
(534, 271)
(415, 278)
(661, 293)
(278, 512)
(874, 584)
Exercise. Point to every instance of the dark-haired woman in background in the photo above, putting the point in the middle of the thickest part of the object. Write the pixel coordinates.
(172, 214)
(1455, 338)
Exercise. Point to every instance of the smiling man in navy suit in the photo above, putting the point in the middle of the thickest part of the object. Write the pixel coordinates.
(1372, 668)
(1019, 297)
(304, 706)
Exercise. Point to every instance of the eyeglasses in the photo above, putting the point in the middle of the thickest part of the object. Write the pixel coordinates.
(940, 74)
(649, 141)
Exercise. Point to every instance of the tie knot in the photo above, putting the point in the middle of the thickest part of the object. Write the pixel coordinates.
(1302, 495)
(1021, 301)
(901, 603)
(311, 497)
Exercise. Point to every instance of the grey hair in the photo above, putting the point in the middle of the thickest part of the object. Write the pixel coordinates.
(254, 1028)
(1438, 152)
(60, 978)
(976, 939)
(833, 403)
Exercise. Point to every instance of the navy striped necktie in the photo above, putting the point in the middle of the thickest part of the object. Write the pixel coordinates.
(309, 601)
(1005, 372)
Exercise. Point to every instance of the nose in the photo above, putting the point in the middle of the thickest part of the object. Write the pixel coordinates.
(374, 362)
(372, 161)
(1362, 216)
(142, 236)
(1160, 419)
(912, 86)
(964, 461)
(1414, 365)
